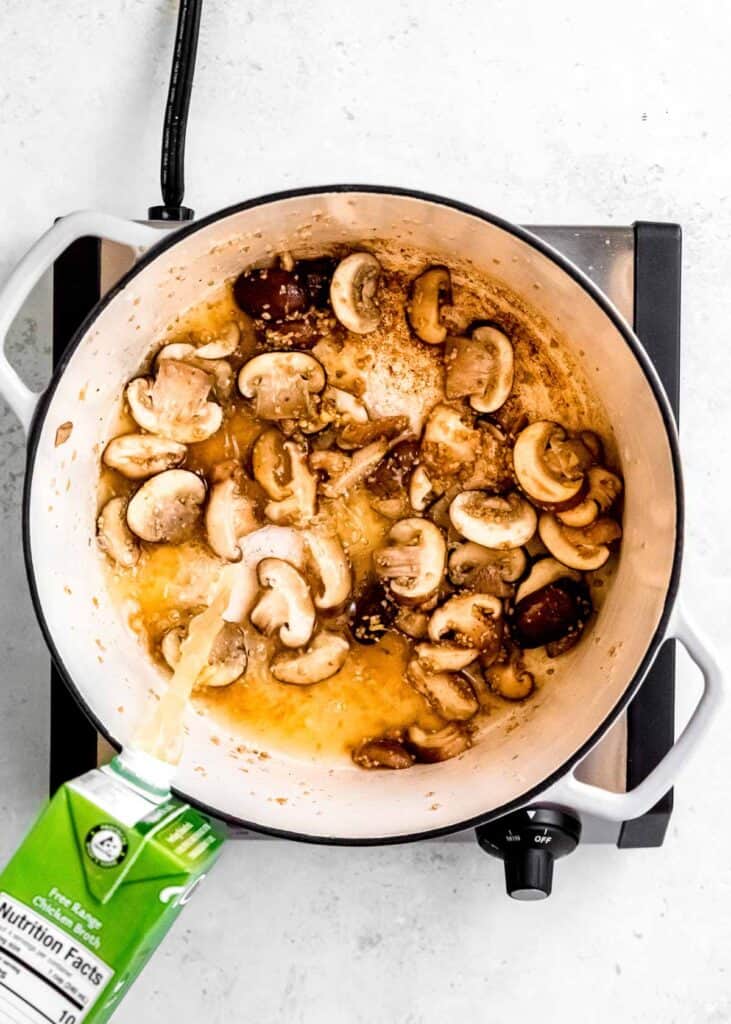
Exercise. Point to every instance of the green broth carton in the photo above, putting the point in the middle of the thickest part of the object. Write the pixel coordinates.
(93, 889)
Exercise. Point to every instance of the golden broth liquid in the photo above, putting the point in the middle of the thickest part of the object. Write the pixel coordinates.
(369, 695)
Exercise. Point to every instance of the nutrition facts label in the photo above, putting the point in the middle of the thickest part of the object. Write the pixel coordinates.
(45, 975)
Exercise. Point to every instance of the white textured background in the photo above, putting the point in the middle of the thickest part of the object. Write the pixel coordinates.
(543, 112)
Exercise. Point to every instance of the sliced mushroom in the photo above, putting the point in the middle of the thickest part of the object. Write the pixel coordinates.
(323, 658)
(491, 572)
(285, 607)
(271, 464)
(549, 466)
(444, 657)
(554, 612)
(413, 563)
(224, 346)
(231, 512)
(494, 522)
(510, 679)
(268, 541)
(114, 537)
(412, 622)
(421, 489)
(450, 441)
(543, 572)
(175, 404)
(300, 505)
(330, 566)
(358, 468)
(353, 292)
(382, 753)
(604, 489)
(583, 549)
(431, 747)
(227, 659)
(448, 694)
(282, 384)
(480, 368)
(429, 291)
(184, 352)
(346, 408)
(492, 469)
(386, 484)
(137, 456)
(356, 435)
(469, 620)
(167, 507)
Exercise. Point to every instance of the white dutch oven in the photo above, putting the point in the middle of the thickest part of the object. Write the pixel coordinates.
(305, 799)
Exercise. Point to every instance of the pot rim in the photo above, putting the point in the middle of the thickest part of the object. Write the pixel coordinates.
(594, 293)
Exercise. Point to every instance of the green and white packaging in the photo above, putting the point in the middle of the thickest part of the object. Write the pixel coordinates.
(96, 884)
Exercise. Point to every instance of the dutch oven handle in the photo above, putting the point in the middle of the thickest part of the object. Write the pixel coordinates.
(587, 799)
(38, 259)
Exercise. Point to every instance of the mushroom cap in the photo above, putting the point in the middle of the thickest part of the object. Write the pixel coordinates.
(230, 514)
(546, 479)
(330, 564)
(470, 620)
(467, 561)
(382, 753)
(167, 507)
(428, 292)
(282, 383)
(137, 456)
(353, 292)
(443, 657)
(421, 490)
(286, 606)
(414, 562)
(480, 368)
(323, 658)
(493, 522)
(114, 537)
(576, 548)
(270, 464)
(552, 614)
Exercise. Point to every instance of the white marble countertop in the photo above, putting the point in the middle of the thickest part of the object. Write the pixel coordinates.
(544, 113)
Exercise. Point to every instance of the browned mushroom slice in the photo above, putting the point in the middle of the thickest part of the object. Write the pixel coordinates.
(382, 753)
(492, 469)
(323, 658)
(329, 564)
(353, 292)
(431, 747)
(448, 694)
(510, 679)
(450, 442)
(137, 456)
(167, 507)
(232, 510)
(270, 293)
(549, 466)
(271, 464)
(285, 607)
(493, 522)
(358, 467)
(387, 483)
(552, 613)
(356, 435)
(468, 620)
(542, 573)
(583, 549)
(413, 622)
(114, 537)
(283, 385)
(481, 368)
(226, 661)
(604, 489)
(175, 404)
(429, 292)
(413, 562)
(445, 657)
(219, 369)
(483, 569)
(300, 504)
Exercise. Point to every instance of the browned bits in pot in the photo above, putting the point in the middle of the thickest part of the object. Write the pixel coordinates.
(63, 433)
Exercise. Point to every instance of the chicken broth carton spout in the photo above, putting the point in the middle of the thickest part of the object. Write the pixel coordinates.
(93, 889)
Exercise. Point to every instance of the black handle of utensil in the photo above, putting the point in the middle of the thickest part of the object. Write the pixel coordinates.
(172, 164)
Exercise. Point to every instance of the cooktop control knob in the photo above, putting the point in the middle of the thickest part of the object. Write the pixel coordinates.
(528, 842)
